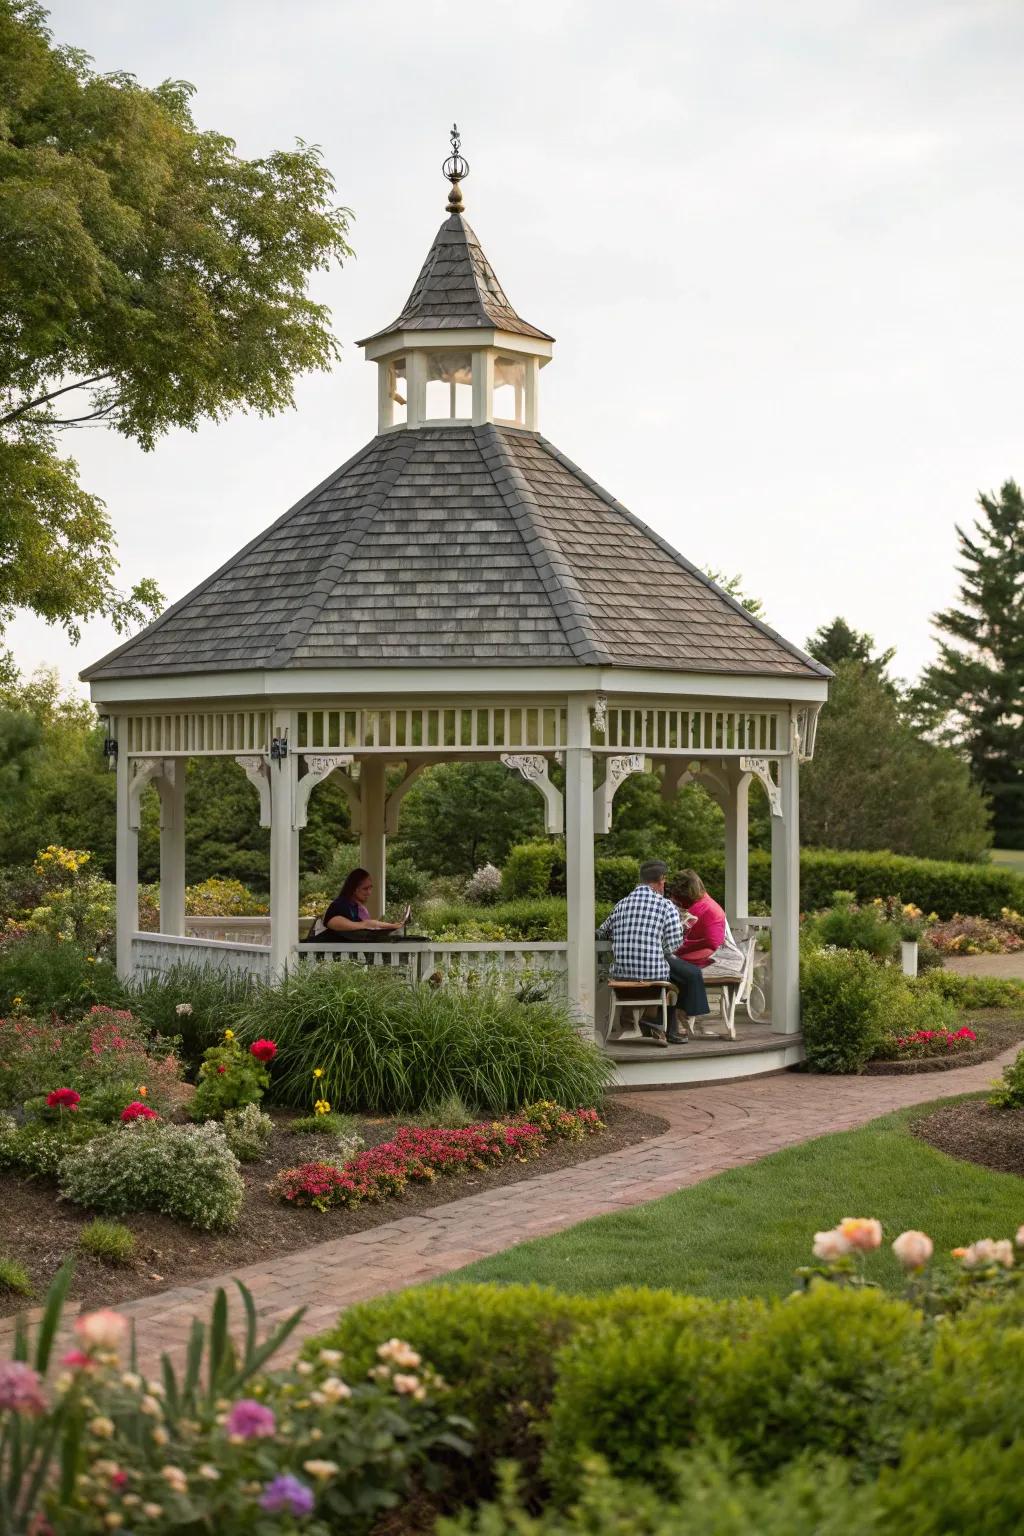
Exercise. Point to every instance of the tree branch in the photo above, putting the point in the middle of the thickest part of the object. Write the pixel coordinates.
(30, 405)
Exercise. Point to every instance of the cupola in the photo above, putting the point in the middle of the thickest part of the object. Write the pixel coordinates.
(458, 353)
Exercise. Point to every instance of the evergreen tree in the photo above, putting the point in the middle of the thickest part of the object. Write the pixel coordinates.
(838, 642)
(973, 695)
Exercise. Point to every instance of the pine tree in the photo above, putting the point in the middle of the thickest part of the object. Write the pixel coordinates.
(975, 690)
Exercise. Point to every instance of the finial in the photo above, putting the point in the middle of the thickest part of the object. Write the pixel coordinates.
(456, 169)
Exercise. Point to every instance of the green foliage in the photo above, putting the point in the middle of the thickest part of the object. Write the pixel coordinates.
(185, 1171)
(386, 1047)
(458, 816)
(974, 691)
(538, 919)
(848, 926)
(108, 1241)
(209, 1000)
(838, 643)
(899, 791)
(451, 1113)
(342, 1127)
(1009, 1094)
(248, 1132)
(36, 1148)
(229, 1078)
(14, 1277)
(53, 978)
(534, 870)
(934, 885)
(153, 279)
(615, 877)
(972, 991)
(841, 1009)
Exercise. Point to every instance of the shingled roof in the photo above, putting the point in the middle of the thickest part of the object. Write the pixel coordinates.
(457, 289)
(451, 545)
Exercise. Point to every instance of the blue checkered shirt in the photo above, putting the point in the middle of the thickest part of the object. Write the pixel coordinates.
(644, 929)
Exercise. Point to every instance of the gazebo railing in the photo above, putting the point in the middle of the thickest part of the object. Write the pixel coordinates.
(154, 954)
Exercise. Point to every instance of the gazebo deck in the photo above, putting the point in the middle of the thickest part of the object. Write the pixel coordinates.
(757, 1049)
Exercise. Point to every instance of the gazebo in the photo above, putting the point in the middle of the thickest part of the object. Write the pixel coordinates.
(460, 590)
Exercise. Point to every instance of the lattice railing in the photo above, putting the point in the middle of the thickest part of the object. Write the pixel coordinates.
(722, 731)
(199, 734)
(426, 728)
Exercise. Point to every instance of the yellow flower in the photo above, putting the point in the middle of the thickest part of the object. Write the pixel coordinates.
(142, 1091)
(16, 1002)
(229, 1034)
(318, 1071)
(90, 959)
(322, 1107)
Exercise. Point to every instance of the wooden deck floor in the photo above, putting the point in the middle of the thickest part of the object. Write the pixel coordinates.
(749, 1038)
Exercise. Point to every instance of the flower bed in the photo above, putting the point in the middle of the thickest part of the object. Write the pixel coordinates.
(419, 1154)
(959, 935)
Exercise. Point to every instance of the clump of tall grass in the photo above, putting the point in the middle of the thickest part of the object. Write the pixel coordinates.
(208, 1000)
(388, 1047)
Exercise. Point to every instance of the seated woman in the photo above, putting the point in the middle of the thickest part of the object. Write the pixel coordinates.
(708, 948)
(347, 919)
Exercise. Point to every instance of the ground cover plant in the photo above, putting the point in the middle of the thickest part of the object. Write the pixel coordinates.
(383, 1046)
(742, 1233)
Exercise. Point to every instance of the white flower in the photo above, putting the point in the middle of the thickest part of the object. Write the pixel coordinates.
(986, 1251)
(303, 1368)
(334, 1356)
(913, 1249)
(183, 1009)
(405, 1384)
(209, 1472)
(102, 1330)
(397, 1352)
(176, 1478)
(320, 1469)
(150, 1407)
(830, 1245)
(335, 1390)
(152, 1511)
(131, 1380)
(102, 1428)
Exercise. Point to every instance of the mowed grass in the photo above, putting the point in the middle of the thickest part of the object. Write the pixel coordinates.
(1011, 858)
(743, 1233)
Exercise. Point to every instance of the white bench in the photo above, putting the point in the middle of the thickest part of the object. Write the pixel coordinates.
(734, 990)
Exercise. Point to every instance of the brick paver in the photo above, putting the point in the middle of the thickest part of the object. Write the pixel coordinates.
(711, 1128)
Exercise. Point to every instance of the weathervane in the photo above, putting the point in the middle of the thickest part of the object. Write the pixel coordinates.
(455, 169)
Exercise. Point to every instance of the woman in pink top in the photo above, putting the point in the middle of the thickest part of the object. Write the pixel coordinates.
(707, 941)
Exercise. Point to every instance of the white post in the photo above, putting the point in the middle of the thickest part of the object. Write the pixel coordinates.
(127, 863)
(372, 841)
(737, 848)
(483, 386)
(786, 901)
(579, 863)
(532, 386)
(284, 850)
(171, 789)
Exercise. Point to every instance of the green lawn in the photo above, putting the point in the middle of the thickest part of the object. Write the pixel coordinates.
(744, 1232)
(1013, 858)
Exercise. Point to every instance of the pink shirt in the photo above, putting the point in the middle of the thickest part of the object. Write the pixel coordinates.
(705, 935)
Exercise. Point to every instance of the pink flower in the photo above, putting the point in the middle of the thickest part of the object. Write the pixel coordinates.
(263, 1050)
(136, 1110)
(102, 1330)
(861, 1232)
(830, 1245)
(250, 1420)
(63, 1098)
(986, 1251)
(76, 1360)
(21, 1388)
(913, 1249)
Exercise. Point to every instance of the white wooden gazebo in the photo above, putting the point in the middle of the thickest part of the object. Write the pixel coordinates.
(459, 590)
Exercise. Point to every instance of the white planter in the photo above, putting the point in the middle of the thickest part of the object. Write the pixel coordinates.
(908, 956)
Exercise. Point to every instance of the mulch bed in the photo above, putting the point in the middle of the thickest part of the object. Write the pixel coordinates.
(996, 1028)
(973, 1130)
(40, 1231)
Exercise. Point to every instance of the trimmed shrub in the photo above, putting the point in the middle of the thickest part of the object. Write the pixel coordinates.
(615, 877)
(535, 920)
(848, 926)
(971, 991)
(248, 1132)
(385, 1047)
(533, 870)
(841, 1008)
(108, 1241)
(185, 1171)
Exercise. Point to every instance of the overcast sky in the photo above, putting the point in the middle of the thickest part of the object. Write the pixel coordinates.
(779, 244)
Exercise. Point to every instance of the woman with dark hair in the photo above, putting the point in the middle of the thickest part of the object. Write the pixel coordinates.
(347, 919)
(708, 947)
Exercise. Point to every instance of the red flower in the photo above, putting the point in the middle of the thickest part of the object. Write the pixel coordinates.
(63, 1098)
(136, 1110)
(263, 1050)
(220, 1070)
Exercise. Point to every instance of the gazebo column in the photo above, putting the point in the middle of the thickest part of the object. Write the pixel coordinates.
(284, 848)
(171, 789)
(127, 866)
(372, 838)
(579, 863)
(786, 899)
(737, 846)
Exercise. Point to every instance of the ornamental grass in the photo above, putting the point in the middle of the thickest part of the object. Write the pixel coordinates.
(388, 1047)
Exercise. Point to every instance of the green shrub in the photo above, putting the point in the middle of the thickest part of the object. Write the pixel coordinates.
(36, 1148)
(108, 1241)
(451, 1113)
(386, 1047)
(971, 1386)
(331, 1124)
(1009, 1094)
(405, 883)
(841, 1006)
(535, 920)
(229, 1078)
(972, 991)
(941, 1486)
(209, 1002)
(185, 1171)
(615, 877)
(54, 978)
(533, 870)
(848, 926)
(14, 1277)
(248, 1132)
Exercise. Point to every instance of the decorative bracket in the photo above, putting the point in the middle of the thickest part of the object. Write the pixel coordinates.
(143, 771)
(257, 771)
(679, 772)
(805, 729)
(319, 766)
(617, 770)
(761, 768)
(601, 713)
(534, 769)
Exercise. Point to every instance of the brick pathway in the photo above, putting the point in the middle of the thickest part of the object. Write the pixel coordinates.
(710, 1129)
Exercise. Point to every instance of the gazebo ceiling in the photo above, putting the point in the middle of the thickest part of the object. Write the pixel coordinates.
(453, 545)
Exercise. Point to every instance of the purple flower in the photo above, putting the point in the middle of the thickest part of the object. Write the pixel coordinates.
(287, 1494)
(21, 1388)
(250, 1420)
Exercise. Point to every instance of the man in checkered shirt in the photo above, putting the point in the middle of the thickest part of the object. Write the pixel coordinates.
(645, 931)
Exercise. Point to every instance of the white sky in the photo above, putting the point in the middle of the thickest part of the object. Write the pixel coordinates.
(779, 245)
